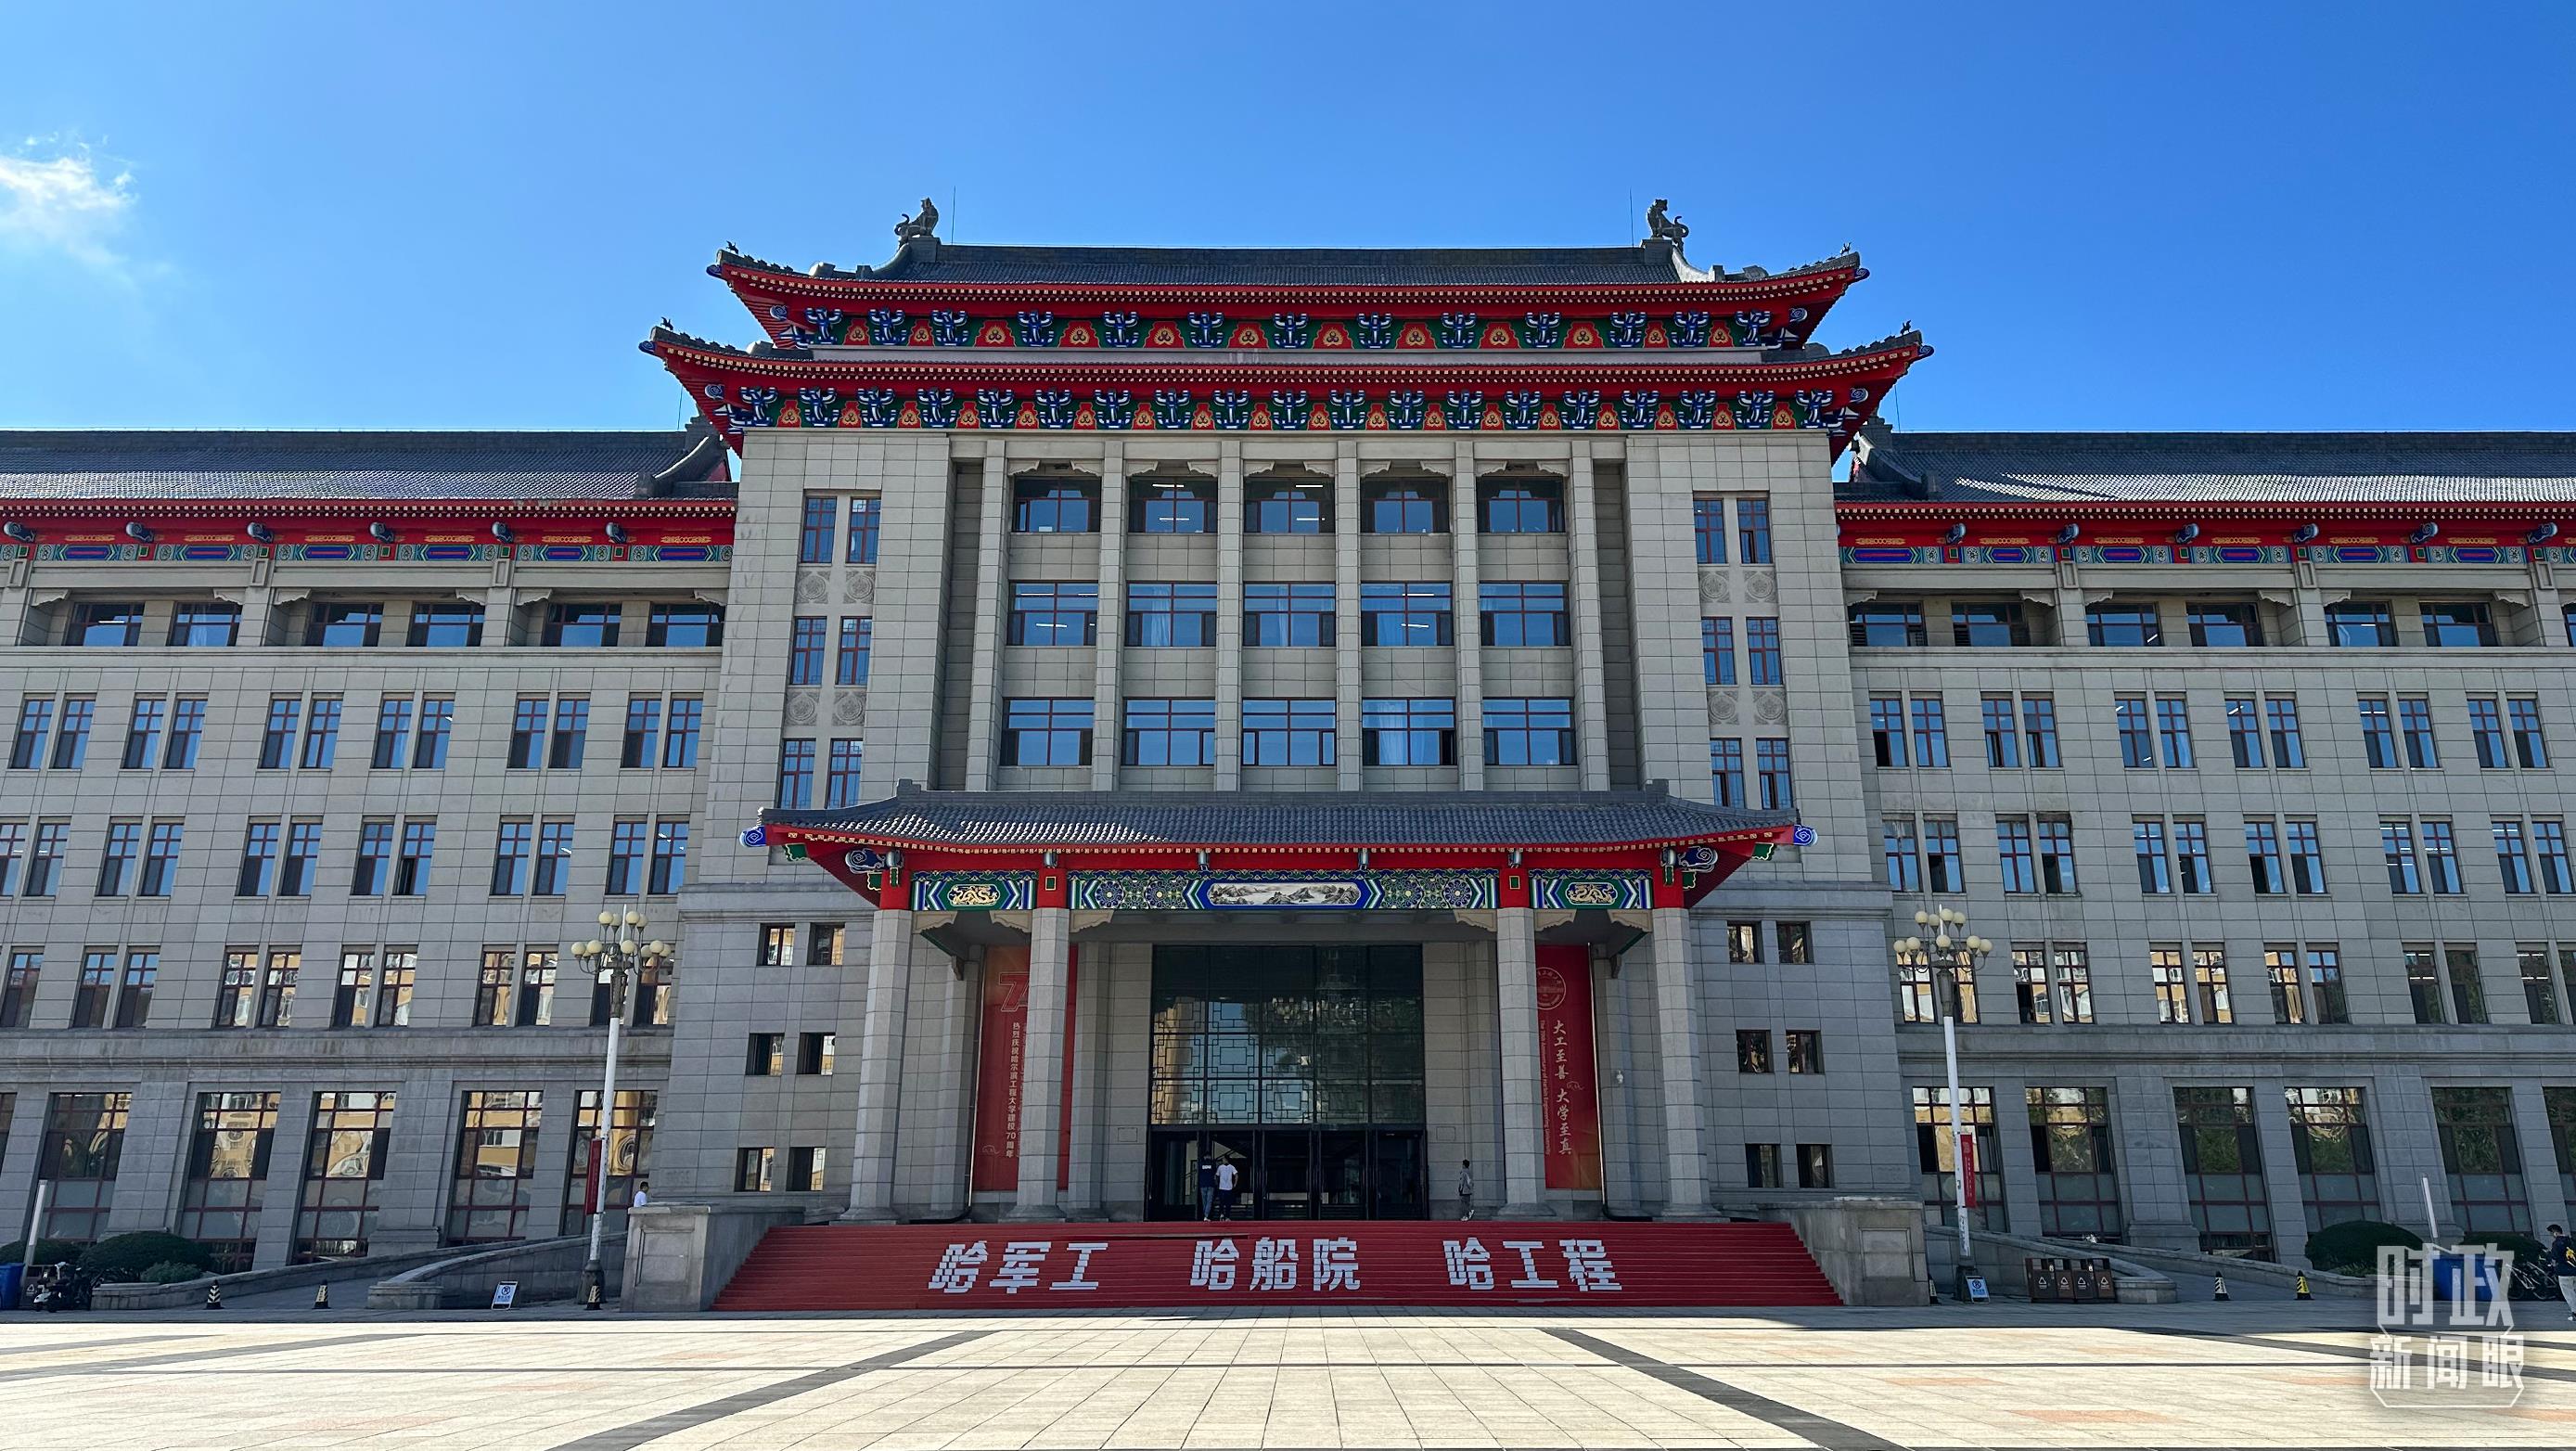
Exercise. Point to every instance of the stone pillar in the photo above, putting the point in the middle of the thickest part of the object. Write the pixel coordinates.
(1464, 536)
(2542, 1186)
(992, 543)
(1042, 1074)
(278, 1193)
(1516, 997)
(2281, 1171)
(1591, 678)
(881, 1064)
(2153, 1191)
(1229, 615)
(1105, 694)
(1677, 1032)
(1346, 615)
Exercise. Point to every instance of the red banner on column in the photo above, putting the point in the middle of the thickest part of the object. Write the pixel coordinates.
(1569, 1096)
(1001, 1070)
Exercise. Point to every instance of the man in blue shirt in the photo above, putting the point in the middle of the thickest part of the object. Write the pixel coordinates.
(2562, 1263)
(1207, 1187)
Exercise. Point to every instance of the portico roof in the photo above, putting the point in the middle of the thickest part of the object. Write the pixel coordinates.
(1145, 821)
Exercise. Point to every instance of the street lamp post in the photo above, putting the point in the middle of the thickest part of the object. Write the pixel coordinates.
(614, 959)
(1954, 943)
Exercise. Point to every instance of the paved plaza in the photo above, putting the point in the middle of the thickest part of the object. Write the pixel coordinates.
(2265, 1375)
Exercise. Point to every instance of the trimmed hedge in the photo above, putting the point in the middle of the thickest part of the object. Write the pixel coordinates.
(122, 1258)
(172, 1272)
(48, 1251)
(2352, 1247)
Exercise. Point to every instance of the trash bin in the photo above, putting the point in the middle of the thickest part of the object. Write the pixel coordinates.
(2484, 1276)
(12, 1280)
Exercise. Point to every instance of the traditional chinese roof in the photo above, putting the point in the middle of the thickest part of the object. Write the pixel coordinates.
(1184, 820)
(2076, 470)
(1646, 263)
(179, 466)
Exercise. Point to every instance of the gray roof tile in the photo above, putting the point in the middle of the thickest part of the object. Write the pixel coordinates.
(1431, 818)
(2076, 468)
(279, 464)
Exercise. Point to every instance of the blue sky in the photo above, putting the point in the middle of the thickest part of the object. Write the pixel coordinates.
(2173, 216)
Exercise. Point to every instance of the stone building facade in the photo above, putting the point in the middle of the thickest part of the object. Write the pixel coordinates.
(2149, 709)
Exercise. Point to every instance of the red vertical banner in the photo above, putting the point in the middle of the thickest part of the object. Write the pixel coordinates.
(1001, 1072)
(1569, 1084)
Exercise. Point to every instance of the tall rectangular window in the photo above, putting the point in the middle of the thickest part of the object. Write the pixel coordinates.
(2486, 730)
(2539, 989)
(2030, 981)
(536, 1006)
(493, 988)
(2423, 982)
(627, 840)
(2003, 743)
(1753, 530)
(1887, 730)
(2137, 739)
(2074, 983)
(496, 1163)
(393, 731)
(84, 1138)
(93, 989)
(867, 514)
(2397, 849)
(2415, 723)
(277, 989)
(2289, 750)
(1726, 771)
(116, 858)
(795, 776)
(814, 539)
(2245, 731)
(2549, 851)
(353, 992)
(638, 745)
(2191, 857)
(2172, 987)
(258, 859)
(27, 745)
(571, 734)
(277, 741)
(2209, 976)
(2039, 728)
(134, 994)
(394, 983)
(374, 860)
(302, 864)
(345, 1159)
(511, 848)
(680, 742)
(2530, 744)
(2330, 1138)
(1708, 529)
(2307, 857)
(18, 989)
(2155, 866)
(850, 665)
(1717, 649)
(411, 868)
(1165, 732)
(2071, 1150)
(2014, 854)
(1931, 732)
(2378, 736)
(437, 725)
(1761, 650)
(2513, 859)
(552, 876)
(1771, 772)
(2173, 731)
(670, 856)
(841, 782)
(143, 732)
(160, 859)
(2056, 856)
(1941, 866)
(2263, 858)
(2468, 989)
(528, 732)
(1904, 860)
(187, 733)
(805, 650)
(2325, 984)
(2441, 859)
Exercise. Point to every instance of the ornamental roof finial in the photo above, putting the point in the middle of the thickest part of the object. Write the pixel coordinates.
(1662, 226)
(923, 223)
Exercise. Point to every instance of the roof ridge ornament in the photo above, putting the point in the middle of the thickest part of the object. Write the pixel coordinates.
(1662, 226)
(921, 224)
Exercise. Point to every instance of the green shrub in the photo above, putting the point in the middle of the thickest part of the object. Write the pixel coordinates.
(171, 1272)
(122, 1258)
(48, 1251)
(2352, 1247)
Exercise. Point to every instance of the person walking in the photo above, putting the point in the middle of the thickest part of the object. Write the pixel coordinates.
(1225, 1190)
(2562, 1263)
(1466, 1189)
(1207, 1187)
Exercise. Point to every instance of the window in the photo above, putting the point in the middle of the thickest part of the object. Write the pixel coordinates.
(2468, 990)
(277, 989)
(496, 1160)
(841, 782)
(2209, 974)
(344, 1161)
(1815, 1166)
(2173, 991)
(84, 1137)
(134, 995)
(2191, 857)
(1708, 530)
(1409, 732)
(1171, 508)
(823, 944)
(1183, 616)
(571, 734)
(1405, 614)
(492, 989)
(795, 775)
(1281, 508)
(1404, 508)
(2530, 747)
(536, 1007)
(18, 989)
(2052, 869)
(2030, 981)
(805, 1170)
(393, 729)
(2458, 623)
(2074, 984)
(587, 625)
(510, 852)
(2423, 982)
(2056, 856)
(670, 857)
(2486, 728)
(160, 859)
(2003, 743)
(2224, 624)
(1771, 773)
(411, 868)
(2539, 989)
(2137, 740)
(2070, 1148)
(2415, 724)
(2441, 859)
(1753, 1050)
(1045, 732)
(107, 623)
(805, 649)
(1286, 614)
(187, 733)
(350, 995)
(444, 626)
(2513, 860)
(1529, 732)
(1941, 867)
(2378, 737)
(2173, 731)
(1526, 615)
(2325, 984)
(1726, 771)
(237, 992)
(2039, 728)
(2330, 1139)
(1743, 942)
(1717, 650)
(858, 636)
(2289, 752)
(2482, 1156)
(684, 627)
(143, 732)
(2307, 858)
(1988, 623)
(814, 541)
(2361, 624)
(2155, 867)
(116, 860)
(527, 733)
(1523, 506)
(1914, 999)
(91, 991)
(1795, 940)
(2548, 843)
(635, 749)
(1762, 651)
(1165, 732)
(2013, 852)
(1888, 625)
(815, 1053)
(1753, 530)
(1904, 860)
(321, 733)
(867, 515)
(1931, 729)
(2123, 625)
(437, 724)
(200, 624)
(258, 859)
(777, 944)
(2245, 732)
(623, 1159)
(753, 1170)
(1887, 730)
(1054, 507)
(1936, 1153)
(1044, 615)
(2263, 858)
(375, 856)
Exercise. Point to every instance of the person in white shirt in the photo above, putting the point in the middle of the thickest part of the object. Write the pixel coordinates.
(1466, 1190)
(1225, 1189)
(641, 1198)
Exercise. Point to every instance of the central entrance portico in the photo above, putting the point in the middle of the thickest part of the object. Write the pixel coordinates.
(1316, 971)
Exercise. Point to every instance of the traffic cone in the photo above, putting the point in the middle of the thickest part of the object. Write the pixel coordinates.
(214, 1296)
(591, 1300)
(2301, 1293)
(2218, 1291)
(322, 1296)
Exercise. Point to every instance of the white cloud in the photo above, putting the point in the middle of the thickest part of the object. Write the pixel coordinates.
(61, 205)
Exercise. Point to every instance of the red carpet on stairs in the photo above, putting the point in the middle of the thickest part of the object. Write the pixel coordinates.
(986, 1267)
